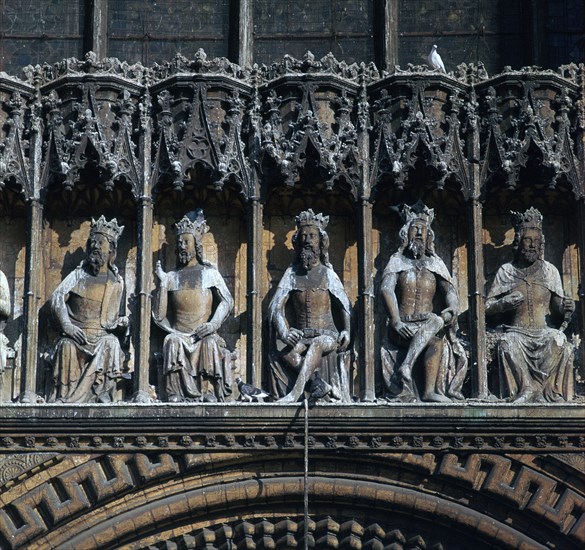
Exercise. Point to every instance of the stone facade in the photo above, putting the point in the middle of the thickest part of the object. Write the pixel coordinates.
(254, 147)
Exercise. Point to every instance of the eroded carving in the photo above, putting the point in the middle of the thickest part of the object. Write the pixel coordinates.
(88, 361)
(191, 304)
(313, 341)
(418, 334)
(5, 350)
(535, 358)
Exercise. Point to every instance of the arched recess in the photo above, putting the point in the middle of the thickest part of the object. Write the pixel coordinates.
(417, 154)
(155, 501)
(200, 161)
(309, 159)
(225, 246)
(16, 197)
(531, 163)
(67, 217)
(13, 216)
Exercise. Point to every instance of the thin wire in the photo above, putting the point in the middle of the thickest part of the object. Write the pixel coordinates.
(306, 478)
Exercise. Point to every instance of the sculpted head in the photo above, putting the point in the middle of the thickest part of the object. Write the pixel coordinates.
(416, 235)
(102, 244)
(528, 242)
(311, 242)
(190, 231)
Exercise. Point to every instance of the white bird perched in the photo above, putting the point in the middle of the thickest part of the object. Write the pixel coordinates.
(435, 60)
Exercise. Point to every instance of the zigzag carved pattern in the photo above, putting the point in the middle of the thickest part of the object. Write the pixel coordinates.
(285, 534)
(105, 478)
(75, 491)
(522, 486)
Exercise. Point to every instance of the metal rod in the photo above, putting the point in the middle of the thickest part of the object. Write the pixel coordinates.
(306, 478)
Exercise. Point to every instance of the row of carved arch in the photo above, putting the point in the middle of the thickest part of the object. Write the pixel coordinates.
(356, 132)
(214, 500)
(227, 247)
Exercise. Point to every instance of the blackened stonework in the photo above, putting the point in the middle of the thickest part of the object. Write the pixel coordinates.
(272, 154)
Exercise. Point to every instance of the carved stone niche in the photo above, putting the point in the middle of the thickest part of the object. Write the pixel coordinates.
(64, 249)
(531, 164)
(309, 158)
(560, 249)
(417, 153)
(201, 162)
(12, 265)
(90, 169)
(224, 246)
(15, 189)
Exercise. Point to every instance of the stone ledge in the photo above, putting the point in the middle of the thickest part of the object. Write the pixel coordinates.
(231, 427)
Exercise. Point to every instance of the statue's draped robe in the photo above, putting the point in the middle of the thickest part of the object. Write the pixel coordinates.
(453, 367)
(543, 354)
(91, 372)
(4, 314)
(186, 359)
(334, 368)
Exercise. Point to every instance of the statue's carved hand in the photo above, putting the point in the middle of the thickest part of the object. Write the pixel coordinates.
(122, 322)
(76, 334)
(568, 306)
(293, 337)
(160, 273)
(448, 315)
(403, 330)
(512, 300)
(204, 330)
(343, 340)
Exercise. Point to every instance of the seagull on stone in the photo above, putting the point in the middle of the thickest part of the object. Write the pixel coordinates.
(435, 60)
(250, 393)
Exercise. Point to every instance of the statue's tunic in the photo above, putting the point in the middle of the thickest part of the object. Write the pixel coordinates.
(529, 350)
(4, 314)
(416, 289)
(313, 311)
(186, 358)
(88, 373)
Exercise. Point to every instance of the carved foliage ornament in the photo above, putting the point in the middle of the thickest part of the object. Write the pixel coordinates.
(194, 140)
(99, 136)
(508, 151)
(396, 151)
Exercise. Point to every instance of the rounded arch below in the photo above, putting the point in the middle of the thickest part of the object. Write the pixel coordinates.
(343, 513)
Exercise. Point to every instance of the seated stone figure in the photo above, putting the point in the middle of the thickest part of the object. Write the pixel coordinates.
(88, 361)
(4, 314)
(191, 304)
(536, 360)
(420, 335)
(314, 343)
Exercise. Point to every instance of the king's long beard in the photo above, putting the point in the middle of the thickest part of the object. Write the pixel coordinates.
(96, 260)
(309, 258)
(416, 248)
(184, 257)
(530, 256)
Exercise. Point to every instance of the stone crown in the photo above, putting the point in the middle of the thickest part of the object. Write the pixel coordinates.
(193, 223)
(110, 229)
(532, 218)
(418, 211)
(308, 217)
